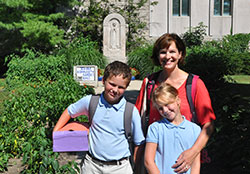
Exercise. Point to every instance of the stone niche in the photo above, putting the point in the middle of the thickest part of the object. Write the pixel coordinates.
(114, 38)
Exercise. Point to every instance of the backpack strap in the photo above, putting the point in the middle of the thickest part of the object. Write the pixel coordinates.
(92, 106)
(128, 130)
(191, 93)
(127, 114)
(128, 120)
(150, 88)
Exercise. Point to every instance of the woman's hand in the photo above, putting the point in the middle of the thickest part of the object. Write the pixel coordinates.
(184, 161)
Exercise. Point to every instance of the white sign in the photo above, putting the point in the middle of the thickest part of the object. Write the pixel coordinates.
(86, 74)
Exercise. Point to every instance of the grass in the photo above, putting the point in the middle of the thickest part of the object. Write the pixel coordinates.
(240, 79)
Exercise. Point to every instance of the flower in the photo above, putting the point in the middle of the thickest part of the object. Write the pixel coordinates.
(134, 71)
(100, 72)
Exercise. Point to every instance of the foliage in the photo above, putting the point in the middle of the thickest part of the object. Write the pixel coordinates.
(140, 59)
(40, 91)
(232, 129)
(89, 21)
(35, 67)
(131, 13)
(209, 62)
(236, 43)
(27, 24)
(134, 71)
(237, 48)
(29, 117)
(82, 51)
(240, 63)
(195, 35)
(3, 94)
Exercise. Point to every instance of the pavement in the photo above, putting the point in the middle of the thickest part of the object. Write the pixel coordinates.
(131, 92)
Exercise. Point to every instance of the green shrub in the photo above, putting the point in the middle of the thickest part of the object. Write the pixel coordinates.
(240, 63)
(40, 90)
(195, 35)
(236, 43)
(89, 22)
(35, 67)
(237, 48)
(29, 117)
(210, 63)
(140, 59)
(231, 133)
(82, 51)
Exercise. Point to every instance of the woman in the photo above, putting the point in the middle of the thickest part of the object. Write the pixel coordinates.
(168, 52)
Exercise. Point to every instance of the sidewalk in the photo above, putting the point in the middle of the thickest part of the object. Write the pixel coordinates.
(131, 92)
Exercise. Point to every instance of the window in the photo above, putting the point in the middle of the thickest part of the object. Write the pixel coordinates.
(222, 7)
(180, 7)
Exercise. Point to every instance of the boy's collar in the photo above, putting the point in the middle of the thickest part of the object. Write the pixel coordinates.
(117, 106)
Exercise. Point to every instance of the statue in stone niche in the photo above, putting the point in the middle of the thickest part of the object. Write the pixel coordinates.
(114, 35)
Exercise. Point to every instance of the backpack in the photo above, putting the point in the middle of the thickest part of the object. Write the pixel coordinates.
(127, 121)
(190, 90)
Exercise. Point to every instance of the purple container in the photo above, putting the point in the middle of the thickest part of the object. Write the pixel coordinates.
(69, 141)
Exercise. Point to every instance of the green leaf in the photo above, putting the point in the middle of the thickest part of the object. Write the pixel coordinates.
(55, 164)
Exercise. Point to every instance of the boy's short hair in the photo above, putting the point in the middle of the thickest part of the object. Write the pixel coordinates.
(164, 94)
(117, 68)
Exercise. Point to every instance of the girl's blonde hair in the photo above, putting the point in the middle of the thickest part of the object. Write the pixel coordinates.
(164, 94)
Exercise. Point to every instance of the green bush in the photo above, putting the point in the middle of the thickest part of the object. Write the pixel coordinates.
(140, 59)
(195, 35)
(40, 90)
(231, 133)
(240, 63)
(236, 43)
(82, 51)
(210, 63)
(237, 48)
(89, 22)
(35, 67)
(29, 117)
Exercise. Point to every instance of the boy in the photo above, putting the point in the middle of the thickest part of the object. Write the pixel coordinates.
(170, 136)
(108, 146)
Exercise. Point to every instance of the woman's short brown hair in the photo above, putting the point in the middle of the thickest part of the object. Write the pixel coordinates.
(164, 42)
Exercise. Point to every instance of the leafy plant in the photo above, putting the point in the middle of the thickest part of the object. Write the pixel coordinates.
(40, 91)
(209, 62)
(35, 67)
(134, 72)
(140, 59)
(89, 21)
(195, 35)
(236, 43)
(82, 51)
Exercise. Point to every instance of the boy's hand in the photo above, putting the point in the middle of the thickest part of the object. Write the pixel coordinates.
(184, 161)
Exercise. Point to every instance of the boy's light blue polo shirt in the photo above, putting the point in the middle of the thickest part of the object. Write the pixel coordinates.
(172, 140)
(107, 139)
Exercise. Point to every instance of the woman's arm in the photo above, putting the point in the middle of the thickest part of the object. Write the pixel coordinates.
(196, 166)
(64, 118)
(187, 157)
(149, 160)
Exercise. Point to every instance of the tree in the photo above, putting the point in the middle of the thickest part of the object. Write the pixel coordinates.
(31, 24)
